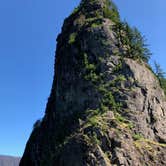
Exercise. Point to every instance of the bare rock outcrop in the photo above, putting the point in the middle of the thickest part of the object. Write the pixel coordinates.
(106, 106)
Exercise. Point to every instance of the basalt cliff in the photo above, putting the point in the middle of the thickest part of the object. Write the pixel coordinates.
(106, 105)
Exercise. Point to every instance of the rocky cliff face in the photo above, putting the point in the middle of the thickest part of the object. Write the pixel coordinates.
(105, 108)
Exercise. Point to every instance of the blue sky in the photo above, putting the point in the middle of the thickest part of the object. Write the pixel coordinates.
(28, 34)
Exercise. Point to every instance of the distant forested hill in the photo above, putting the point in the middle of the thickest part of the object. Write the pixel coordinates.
(9, 161)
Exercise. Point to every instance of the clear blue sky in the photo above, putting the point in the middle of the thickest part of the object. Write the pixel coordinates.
(28, 34)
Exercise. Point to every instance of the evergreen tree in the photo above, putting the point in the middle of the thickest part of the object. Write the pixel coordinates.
(159, 71)
(137, 44)
(134, 43)
(161, 75)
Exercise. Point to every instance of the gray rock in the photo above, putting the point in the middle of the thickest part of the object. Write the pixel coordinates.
(104, 109)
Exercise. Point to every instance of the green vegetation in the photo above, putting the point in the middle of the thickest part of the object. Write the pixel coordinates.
(92, 112)
(159, 71)
(118, 67)
(107, 101)
(132, 42)
(163, 84)
(95, 25)
(137, 137)
(94, 139)
(72, 38)
(89, 67)
(123, 122)
(103, 108)
(120, 118)
(110, 11)
(90, 73)
(129, 39)
(161, 76)
(147, 144)
(93, 121)
(76, 9)
(119, 78)
(133, 45)
(94, 22)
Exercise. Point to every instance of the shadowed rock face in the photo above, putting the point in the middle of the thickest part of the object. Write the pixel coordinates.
(104, 108)
(9, 161)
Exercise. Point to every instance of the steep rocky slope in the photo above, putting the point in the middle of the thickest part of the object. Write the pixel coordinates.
(9, 161)
(106, 106)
